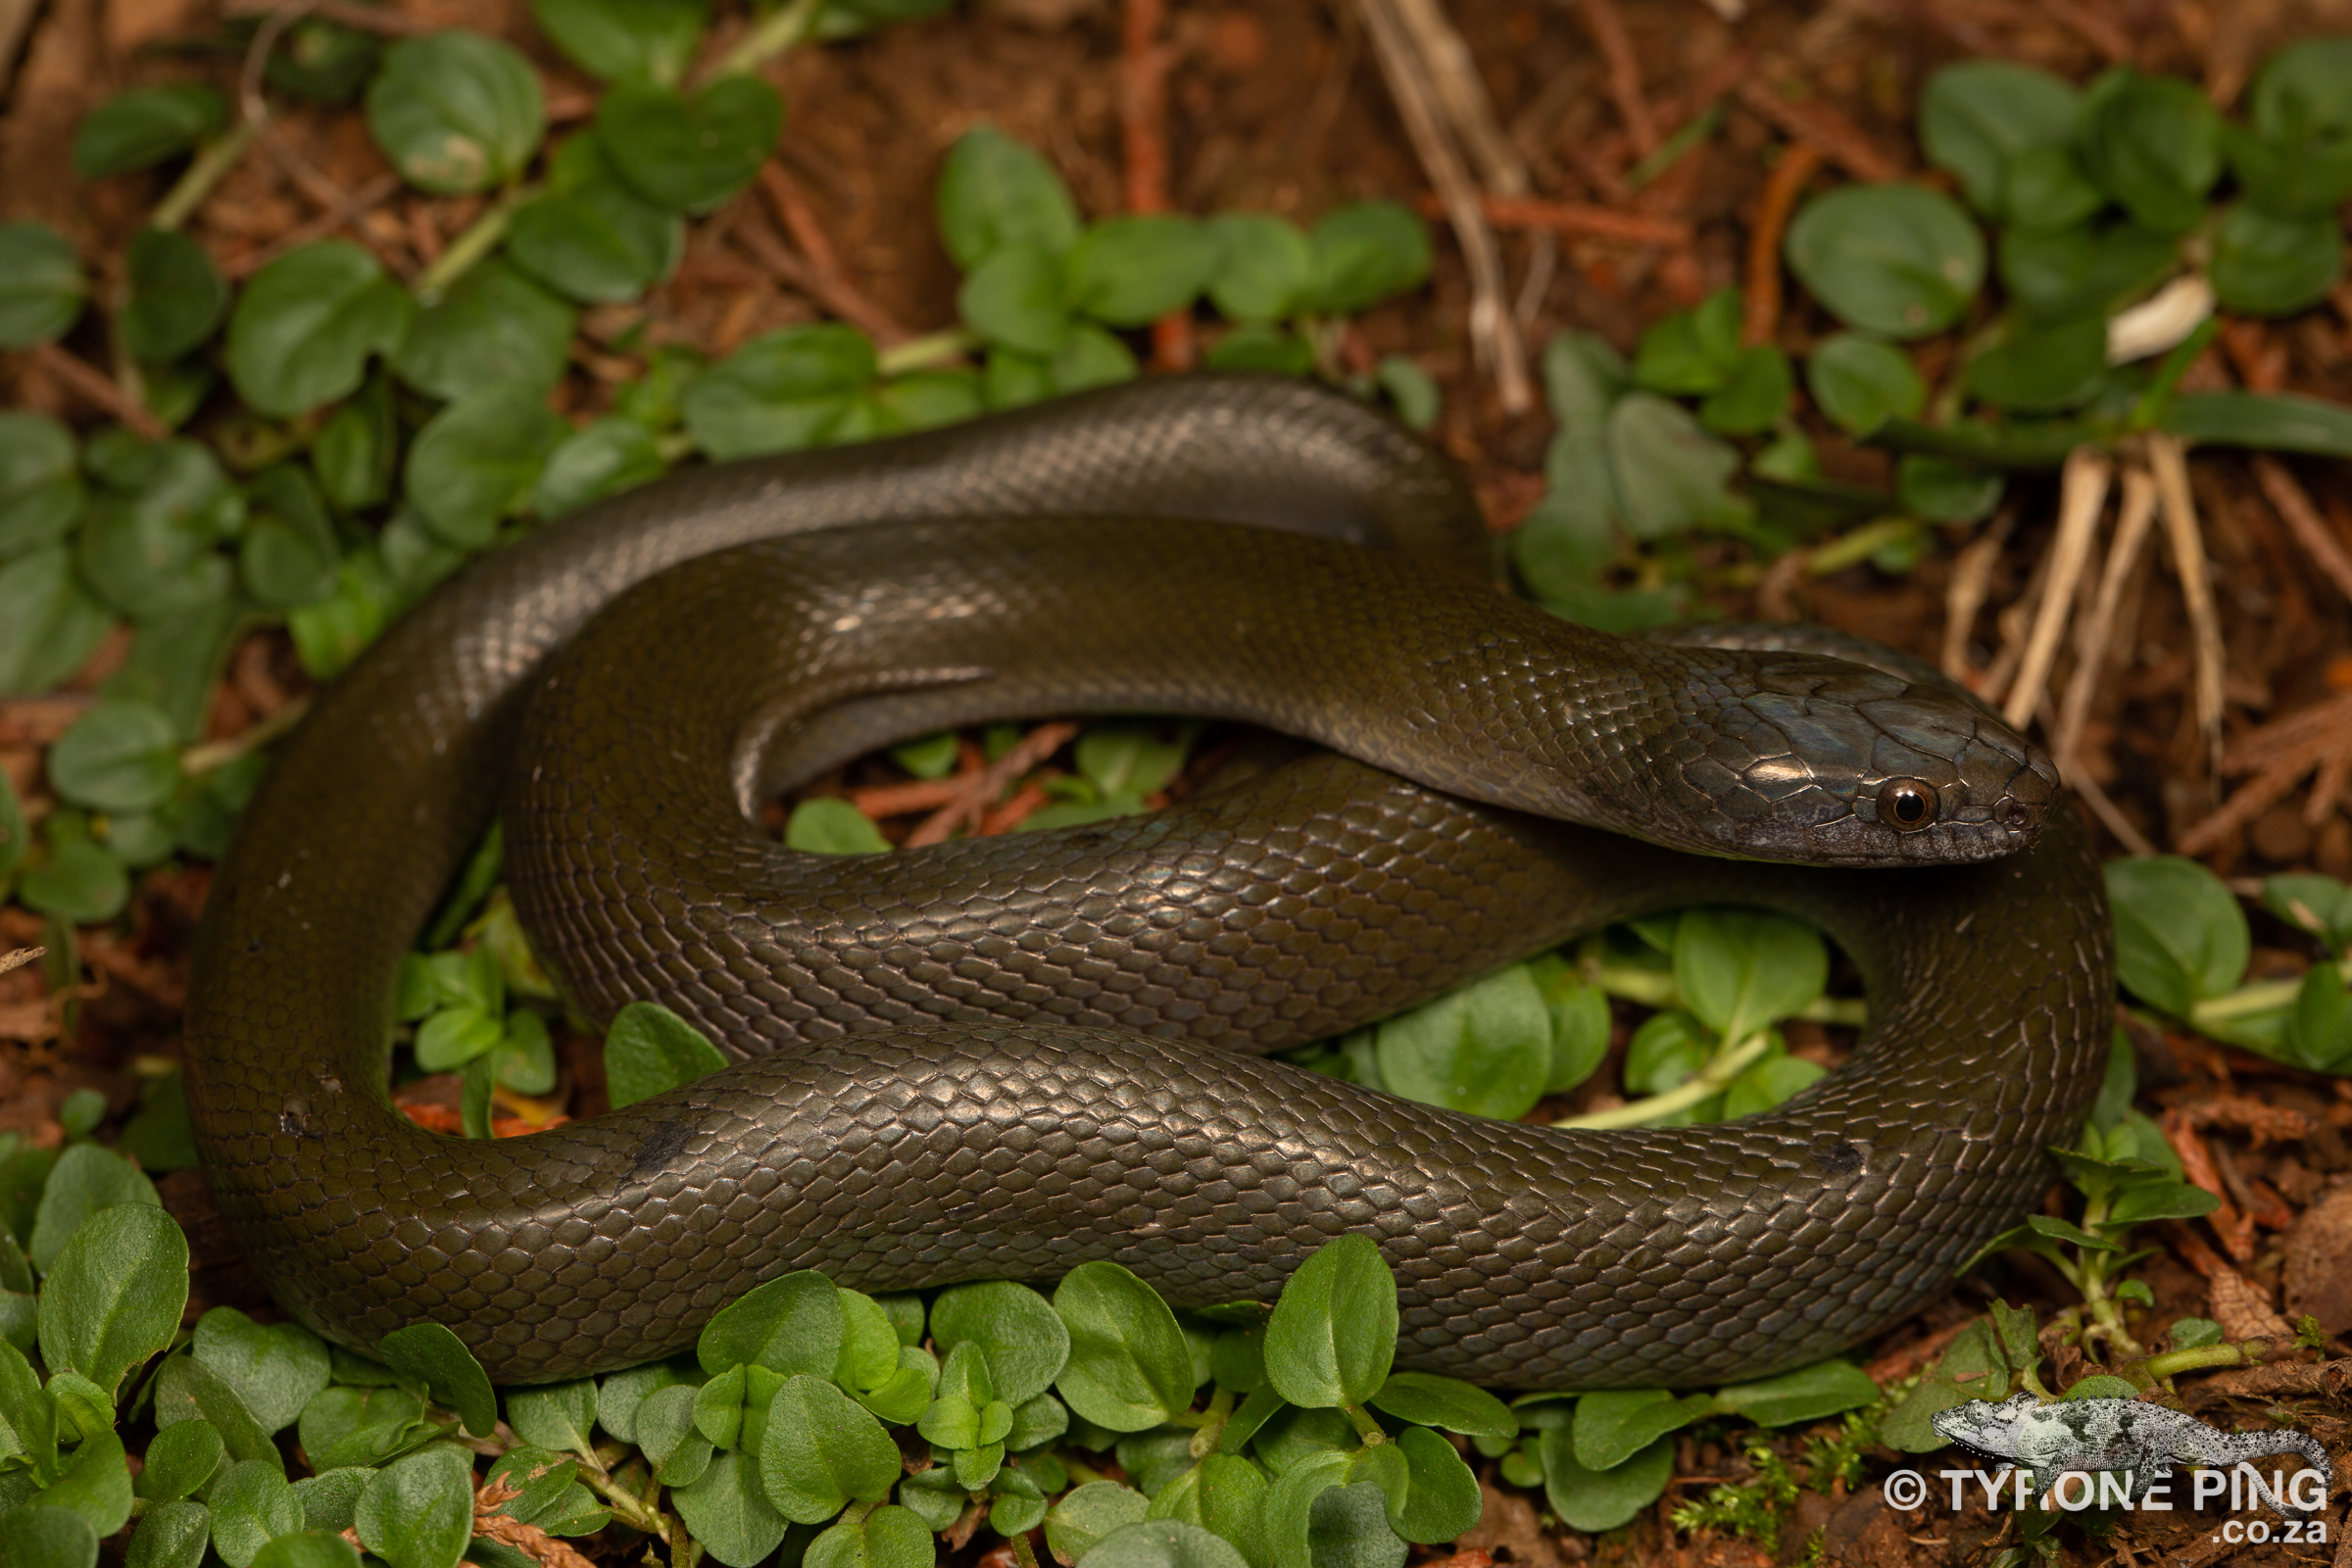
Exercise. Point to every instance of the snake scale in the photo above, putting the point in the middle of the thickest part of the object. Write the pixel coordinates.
(999, 1058)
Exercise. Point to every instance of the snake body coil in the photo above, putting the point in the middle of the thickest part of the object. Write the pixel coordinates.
(1005, 1056)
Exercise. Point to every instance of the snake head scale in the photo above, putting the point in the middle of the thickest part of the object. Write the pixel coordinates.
(1796, 757)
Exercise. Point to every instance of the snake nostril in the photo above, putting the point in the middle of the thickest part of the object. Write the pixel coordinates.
(2020, 815)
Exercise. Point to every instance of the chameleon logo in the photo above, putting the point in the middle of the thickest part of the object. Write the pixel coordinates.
(2144, 1440)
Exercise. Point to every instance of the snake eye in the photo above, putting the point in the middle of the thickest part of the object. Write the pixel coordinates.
(1906, 804)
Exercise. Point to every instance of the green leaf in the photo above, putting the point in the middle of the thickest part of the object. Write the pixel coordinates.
(1128, 1369)
(48, 1538)
(96, 1483)
(1670, 475)
(276, 1369)
(1163, 1543)
(995, 192)
(288, 555)
(1611, 1428)
(2179, 935)
(1334, 1331)
(830, 825)
(175, 1535)
(1130, 271)
(605, 458)
(417, 1511)
(114, 1292)
(456, 112)
(495, 325)
(1807, 1394)
(1942, 490)
(2318, 1027)
(558, 1416)
(186, 1390)
(889, 1537)
(252, 1504)
(150, 545)
(2298, 156)
(1771, 1081)
(2281, 421)
(346, 1426)
(82, 882)
(1016, 297)
(41, 493)
(477, 462)
(650, 1051)
(304, 325)
(2266, 265)
(1860, 382)
(1979, 117)
(48, 622)
(1263, 266)
(2154, 144)
(1026, 1341)
(1441, 1501)
(42, 286)
(432, 1355)
(1740, 969)
(181, 1458)
(779, 392)
(791, 1325)
(144, 127)
(1084, 1515)
(1755, 397)
(1600, 1499)
(869, 1345)
(2050, 191)
(177, 296)
(1897, 260)
(619, 40)
(2161, 1199)
(690, 152)
(1484, 1048)
(2042, 367)
(2089, 269)
(1362, 255)
(727, 1509)
(1260, 345)
(118, 757)
(1429, 1400)
(821, 1451)
(1692, 352)
(620, 1396)
(599, 242)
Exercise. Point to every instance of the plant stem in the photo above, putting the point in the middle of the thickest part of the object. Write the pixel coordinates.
(928, 352)
(2204, 1355)
(1365, 1427)
(473, 247)
(212, 755)
(786, 27)
(1707, 1082)
(203, 171)
(1022, 1551)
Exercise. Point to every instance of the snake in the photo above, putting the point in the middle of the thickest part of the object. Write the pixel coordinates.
(999, 1058)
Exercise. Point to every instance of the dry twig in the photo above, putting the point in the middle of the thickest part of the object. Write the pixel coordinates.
(1964, 596)
(2303, 520)
(2093, 650)
(18, 959)
(1144, 63)
(981, 789)
(2082, 496)
(83, 379)
(1493, 334)
(1574, 220)
(1816, 124)
(2277, 755)
(1760, 313)
(2168, 457)
(1625, 72)
(817, 270)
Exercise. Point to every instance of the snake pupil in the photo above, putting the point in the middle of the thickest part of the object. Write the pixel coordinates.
(1906, 803)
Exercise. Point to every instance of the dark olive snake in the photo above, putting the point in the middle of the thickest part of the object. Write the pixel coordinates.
(999, 1058)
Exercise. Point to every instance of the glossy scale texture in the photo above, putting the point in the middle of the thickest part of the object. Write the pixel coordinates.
(1002, 1057)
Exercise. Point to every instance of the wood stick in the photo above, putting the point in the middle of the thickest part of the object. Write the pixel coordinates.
(2094, 652)
(1625, 73)
(2303, 520)
(1964, 596)
(1575, 219)
(84, 378)
(2082, 496)
(1493, 335)
(1814, 122)
(1760, 313)
(2168, 455)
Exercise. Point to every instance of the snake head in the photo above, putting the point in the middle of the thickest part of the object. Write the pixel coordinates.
(1817, 760)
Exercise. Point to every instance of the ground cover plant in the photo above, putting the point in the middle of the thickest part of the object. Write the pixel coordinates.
(545, 259)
